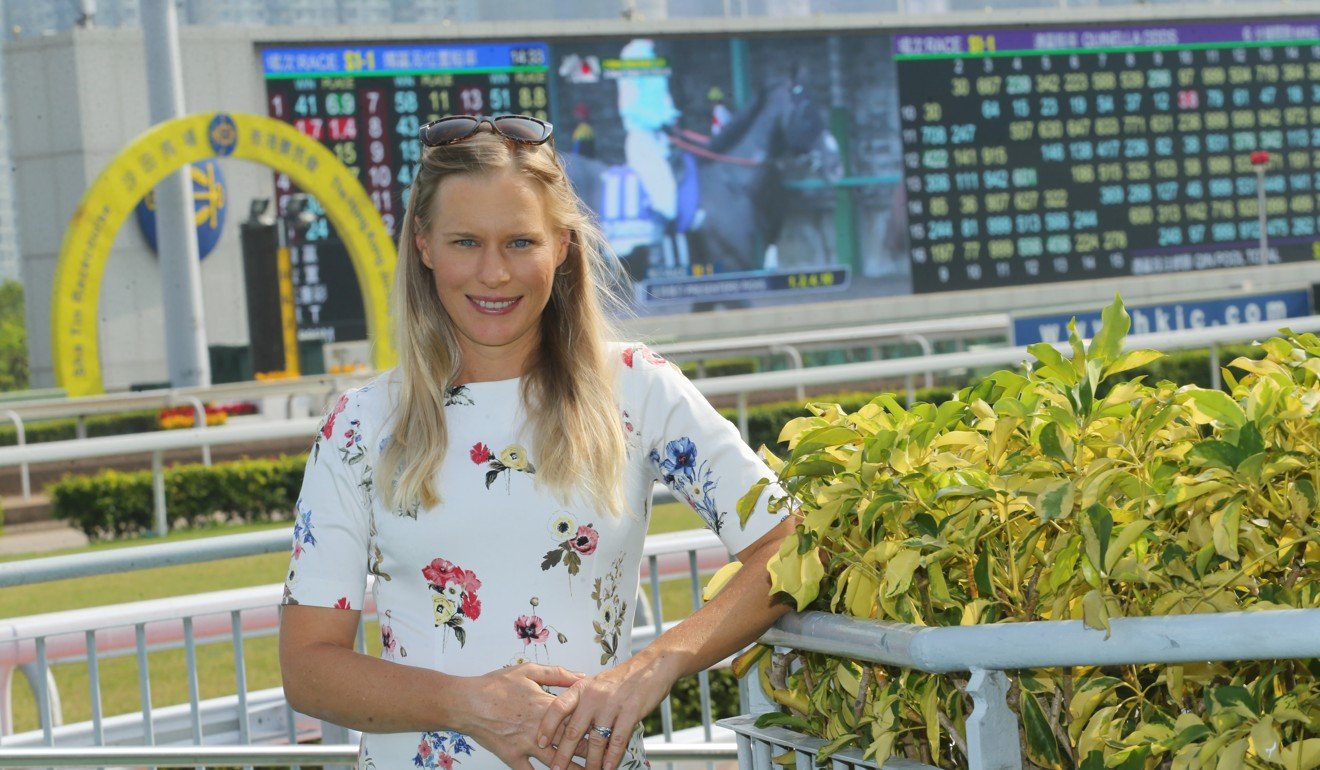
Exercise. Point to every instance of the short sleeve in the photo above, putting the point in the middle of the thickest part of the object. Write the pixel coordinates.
(328, 565)
(696, 452)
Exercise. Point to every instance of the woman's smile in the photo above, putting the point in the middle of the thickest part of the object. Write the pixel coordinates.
(494, 305)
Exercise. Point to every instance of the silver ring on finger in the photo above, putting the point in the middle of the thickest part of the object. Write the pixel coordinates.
(603, 732)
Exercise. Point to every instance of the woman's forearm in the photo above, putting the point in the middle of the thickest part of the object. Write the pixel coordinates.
(733, 619)
(348, 688)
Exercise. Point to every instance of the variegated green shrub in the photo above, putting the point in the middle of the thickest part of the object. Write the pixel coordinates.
(1029, 498)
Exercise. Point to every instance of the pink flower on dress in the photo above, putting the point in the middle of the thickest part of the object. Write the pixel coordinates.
(441, 572)
(424, 749)
(328, 429)
(530, 629)
(343, 604)
(480, 453)
(585, 540)
(444, 761)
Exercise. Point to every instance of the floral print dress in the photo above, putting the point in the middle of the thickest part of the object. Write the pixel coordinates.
(500, 572)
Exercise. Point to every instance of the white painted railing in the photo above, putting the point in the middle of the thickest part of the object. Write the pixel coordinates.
(36, 643)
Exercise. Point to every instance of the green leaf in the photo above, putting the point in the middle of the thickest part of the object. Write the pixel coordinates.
(1051, 358)
(1095, 533)
(748, 501)
(778, 719)
(1132, 360)
(1056, 502)
(982, 572)
(1107, 343)
(1042, 747)
(1050, 444)
(1214, 406)
(1131, 758)
(820, 438)
(1216, 454)
(1249, 440)
(899, 569)
(1094, 613)
(1231, 695)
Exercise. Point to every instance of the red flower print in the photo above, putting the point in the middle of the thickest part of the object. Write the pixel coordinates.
(585, 540)
(444, 761)
(328, 429)
(628, 356)
(471, 608)
(343, 604)
(469, 580)
(530, 629)
(424, 748)
(440, 572)
(480, 453)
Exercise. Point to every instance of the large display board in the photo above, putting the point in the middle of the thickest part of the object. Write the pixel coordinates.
(1058, 154)
(731, 171)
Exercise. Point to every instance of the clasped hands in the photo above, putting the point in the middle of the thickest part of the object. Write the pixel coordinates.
(588, 725)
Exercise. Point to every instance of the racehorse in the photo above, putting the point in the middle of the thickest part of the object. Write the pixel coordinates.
(731, 198)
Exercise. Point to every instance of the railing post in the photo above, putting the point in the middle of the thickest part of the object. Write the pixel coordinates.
(20, 439)
(1215, 382)
(992, 728)
(199, 412)
(158, 493)
(794, 357)
(742, 415)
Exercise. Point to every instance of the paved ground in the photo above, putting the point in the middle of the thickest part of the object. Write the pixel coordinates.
(36, 540)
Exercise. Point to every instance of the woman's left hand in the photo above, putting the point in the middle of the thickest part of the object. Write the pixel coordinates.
(616, 699)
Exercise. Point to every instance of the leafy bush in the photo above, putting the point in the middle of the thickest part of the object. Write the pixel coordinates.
(67, 429)
(1029, 497)
(686, 701)
(114, 504)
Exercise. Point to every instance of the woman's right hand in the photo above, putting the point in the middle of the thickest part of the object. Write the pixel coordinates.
(506, 709)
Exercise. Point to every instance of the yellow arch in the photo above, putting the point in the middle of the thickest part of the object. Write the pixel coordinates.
(76, 295)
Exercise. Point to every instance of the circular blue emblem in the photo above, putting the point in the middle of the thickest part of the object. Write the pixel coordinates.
(209, 205)
(223, 134)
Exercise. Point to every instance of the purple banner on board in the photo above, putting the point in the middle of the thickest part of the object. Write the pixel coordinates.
(1305, 32)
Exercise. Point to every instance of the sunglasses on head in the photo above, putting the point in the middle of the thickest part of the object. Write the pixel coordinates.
(455, 128)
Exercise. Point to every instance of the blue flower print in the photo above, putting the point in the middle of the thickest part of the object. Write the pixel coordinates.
(690, 481)
(302, 530)
(437, 750)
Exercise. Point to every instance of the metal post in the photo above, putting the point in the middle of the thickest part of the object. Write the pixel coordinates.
(20, 439)
(992, 728)
(180, 272)
(158, 493)
(1261, 160)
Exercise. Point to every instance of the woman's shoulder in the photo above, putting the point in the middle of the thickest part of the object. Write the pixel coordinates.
(368, 404)
(643, 371)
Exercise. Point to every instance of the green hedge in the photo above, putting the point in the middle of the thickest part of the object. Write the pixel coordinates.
(765, 421)
(66, 429)
(686, 701)
(115, 504)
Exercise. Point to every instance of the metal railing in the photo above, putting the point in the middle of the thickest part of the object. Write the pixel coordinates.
(39, 642)
(987, 651)
(741, 386)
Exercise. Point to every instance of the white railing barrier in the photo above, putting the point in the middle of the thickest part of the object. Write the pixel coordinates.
(34, 644)
(987, 651)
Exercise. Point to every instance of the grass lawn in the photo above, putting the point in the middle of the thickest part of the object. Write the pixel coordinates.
(119, 689)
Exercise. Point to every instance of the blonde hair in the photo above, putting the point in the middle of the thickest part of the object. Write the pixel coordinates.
(568, 390)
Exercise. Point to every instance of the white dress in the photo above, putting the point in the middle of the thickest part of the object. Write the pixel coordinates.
(500, 572)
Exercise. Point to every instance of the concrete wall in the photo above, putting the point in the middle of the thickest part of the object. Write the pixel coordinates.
(78, 99)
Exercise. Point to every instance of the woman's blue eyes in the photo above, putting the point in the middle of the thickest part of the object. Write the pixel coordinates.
(517, 243)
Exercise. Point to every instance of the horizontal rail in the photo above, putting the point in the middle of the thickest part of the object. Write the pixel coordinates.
(43, 408)
(96, 563)
(1169, 639)
(210, 756)
(998, 322)
(156, 441)
(733, 385)
(1007, 356)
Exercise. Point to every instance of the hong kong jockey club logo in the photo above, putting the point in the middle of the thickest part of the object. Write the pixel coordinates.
(223, 134)
(209, 206)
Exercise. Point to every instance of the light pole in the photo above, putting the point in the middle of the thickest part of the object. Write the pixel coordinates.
(1261, 159)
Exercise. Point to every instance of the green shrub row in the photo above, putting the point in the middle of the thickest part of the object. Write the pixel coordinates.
(685, 700)
(765, 421)
(67, 428)
(114, 504)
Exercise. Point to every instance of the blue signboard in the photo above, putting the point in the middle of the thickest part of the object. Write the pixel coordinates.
(369, 60)
(1170, 316)
(209, 206)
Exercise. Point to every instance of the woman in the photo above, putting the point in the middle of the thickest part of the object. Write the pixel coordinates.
(497, 484)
